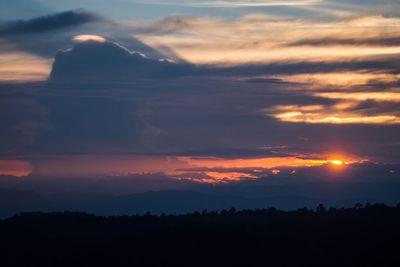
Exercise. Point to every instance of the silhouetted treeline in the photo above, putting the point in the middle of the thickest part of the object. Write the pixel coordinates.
(361, 236)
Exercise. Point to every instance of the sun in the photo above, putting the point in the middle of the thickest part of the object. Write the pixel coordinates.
(337, 162)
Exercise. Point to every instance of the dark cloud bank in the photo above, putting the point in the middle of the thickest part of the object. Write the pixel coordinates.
(104, 97)
(47, 23)
(45, 35)
(109, 61)
(376, 41)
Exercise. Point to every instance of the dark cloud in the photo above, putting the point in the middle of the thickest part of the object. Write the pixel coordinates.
(169, 25)
(185, 116)
(104, 98)
(389, 64)
(23, 120)
(109, 61)
(44, 36)
(331, 41)
(47, 23)
(112, 61)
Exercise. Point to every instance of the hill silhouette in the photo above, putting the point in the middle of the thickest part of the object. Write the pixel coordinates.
(359, 236)
(156, 202)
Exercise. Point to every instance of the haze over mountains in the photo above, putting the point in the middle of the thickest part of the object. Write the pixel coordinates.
(130, 195)
(167, 202)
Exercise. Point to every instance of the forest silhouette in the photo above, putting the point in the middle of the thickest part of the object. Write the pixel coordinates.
(366, 235)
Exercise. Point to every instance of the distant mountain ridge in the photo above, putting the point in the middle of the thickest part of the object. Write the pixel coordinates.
(169, 202)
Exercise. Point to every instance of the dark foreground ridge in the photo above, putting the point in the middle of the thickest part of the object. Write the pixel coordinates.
(360, 236)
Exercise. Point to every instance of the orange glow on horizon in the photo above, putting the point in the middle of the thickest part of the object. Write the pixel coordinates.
(265, 163)
(220, 170)
(200, 169)
(231, 176)
(272, 162)
(17, 168)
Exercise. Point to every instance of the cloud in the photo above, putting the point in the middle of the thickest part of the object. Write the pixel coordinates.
(356, 105)
(15, 168)
(260, 39)
(56, 31)
(21, 66)
(109, 61)
(237, 3)
(343, 80)
(187, 39)
(47, 23)
(197, 111)
(201, 122)
(377, 41)
(89, 37)
(105, 98)
(24, 120)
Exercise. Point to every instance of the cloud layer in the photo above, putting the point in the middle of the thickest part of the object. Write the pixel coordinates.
(236, 3)
(260, 38)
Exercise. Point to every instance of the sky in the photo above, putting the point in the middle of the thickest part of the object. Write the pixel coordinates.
(164, 95)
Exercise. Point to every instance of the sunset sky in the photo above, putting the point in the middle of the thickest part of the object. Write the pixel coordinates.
(161, 95)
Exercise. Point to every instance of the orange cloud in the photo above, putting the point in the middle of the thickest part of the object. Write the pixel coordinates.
(264, 163)
(230, 176)
(221, 170)
(242, 40)
(113, 165)
(19, 66)
(339, 80)
(341, 112)
(89, 37)
(363, 96)
(198, 169)
(17, 168)
(336, 118)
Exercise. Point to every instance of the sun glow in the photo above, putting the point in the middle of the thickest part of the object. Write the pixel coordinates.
(16, 168)
(337, 162)
(89, 37)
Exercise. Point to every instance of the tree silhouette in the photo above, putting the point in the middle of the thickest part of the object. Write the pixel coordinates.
(362, 236)
(321, 208)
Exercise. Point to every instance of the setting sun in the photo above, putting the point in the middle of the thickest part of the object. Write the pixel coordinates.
(337, 162)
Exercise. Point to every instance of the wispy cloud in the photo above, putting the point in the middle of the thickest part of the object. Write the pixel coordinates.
(19, 66)
(261, 38)
(236, 3)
